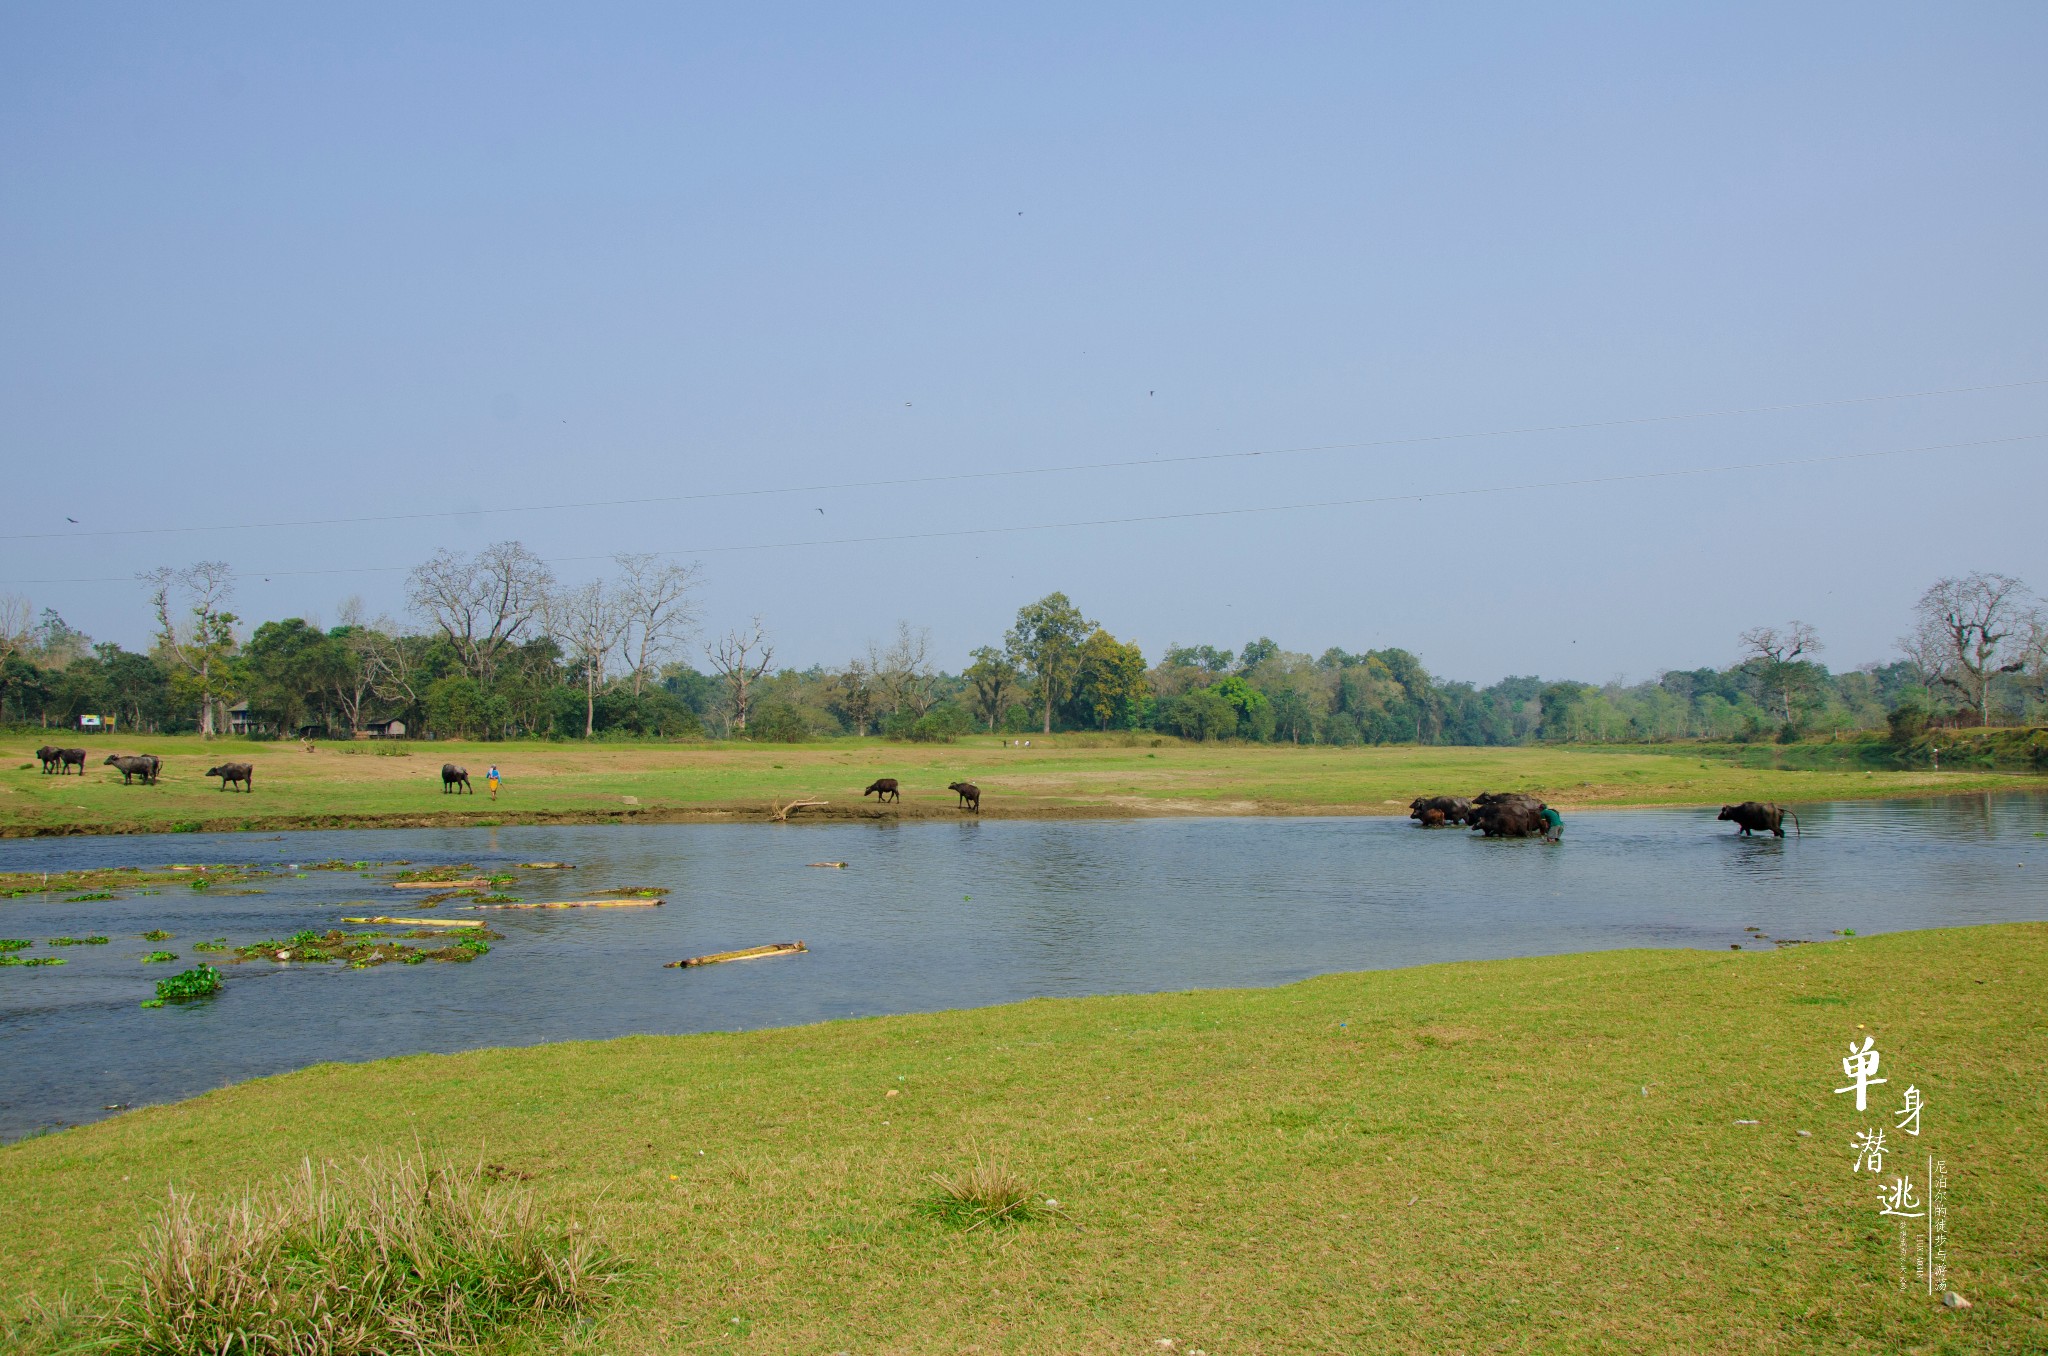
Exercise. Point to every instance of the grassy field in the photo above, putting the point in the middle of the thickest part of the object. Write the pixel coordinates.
(399, 784)
(1548, 1155)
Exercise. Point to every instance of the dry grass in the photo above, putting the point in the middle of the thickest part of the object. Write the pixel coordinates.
(990, 1192)
(392, 1253)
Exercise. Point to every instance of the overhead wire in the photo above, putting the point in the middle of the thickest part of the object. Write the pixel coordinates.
(1463, 491)
(900, 482)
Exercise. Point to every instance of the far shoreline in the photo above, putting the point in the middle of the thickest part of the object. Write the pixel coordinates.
(757, 813)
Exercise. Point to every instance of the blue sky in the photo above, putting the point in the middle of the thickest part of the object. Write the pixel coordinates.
(283, 263)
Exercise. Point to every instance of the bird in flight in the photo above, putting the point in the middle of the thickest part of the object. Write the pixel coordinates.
(71, 520)
(821, 510)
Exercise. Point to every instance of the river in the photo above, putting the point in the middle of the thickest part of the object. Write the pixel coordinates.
(926, 916)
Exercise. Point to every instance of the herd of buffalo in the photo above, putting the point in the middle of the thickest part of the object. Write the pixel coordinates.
(1513, 815)
(1518, 815)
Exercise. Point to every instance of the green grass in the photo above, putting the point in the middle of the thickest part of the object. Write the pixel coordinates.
(1062, 776)
(1541, 1155)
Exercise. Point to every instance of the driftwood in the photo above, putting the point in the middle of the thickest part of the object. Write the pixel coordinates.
(781, 812)
(836, 866)
(750, 953)
(470, 884)
(544, 866)
(580, 904)
(421, 922)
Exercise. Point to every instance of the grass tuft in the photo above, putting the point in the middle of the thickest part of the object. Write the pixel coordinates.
(989, 1193)
(394, 1253)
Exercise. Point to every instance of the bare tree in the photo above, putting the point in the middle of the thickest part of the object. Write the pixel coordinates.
(16, 626)
(904, 671)
(741, 658)
(390, 660)
(483, 602)
(659, 605)
(589, 622)
(1967, 631)
(1775, 653)
(200, 648)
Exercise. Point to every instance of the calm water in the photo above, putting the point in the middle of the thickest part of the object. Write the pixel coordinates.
(931, 915)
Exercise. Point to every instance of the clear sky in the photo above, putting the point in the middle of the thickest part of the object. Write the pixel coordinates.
(271, 263)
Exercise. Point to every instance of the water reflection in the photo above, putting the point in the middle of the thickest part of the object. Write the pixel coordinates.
(937, 916)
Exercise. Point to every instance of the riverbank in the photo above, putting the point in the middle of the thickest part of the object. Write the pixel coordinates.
(1586, 1153)
(398, 785)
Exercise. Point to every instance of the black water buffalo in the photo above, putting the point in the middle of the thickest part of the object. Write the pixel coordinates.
(1753, 816)
(133, 765)
(245, 773)
(970, 794)
(61, 760)
(1509, 817)
(882, 788)
(453, 776)
(1452, 809)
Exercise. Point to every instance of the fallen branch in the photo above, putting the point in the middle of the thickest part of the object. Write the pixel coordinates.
(750, 953)
(421, 922)
(580, 904)
(781, 815)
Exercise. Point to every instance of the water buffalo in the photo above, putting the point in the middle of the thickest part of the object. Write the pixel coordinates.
(1453, 808)
(970, 794)
(51, 762)
(1432, 818)
(453, 776)
(67, 758)
(133, 765)
(1752, 816)
(245, 773)
(1509, 817)
(882, 788)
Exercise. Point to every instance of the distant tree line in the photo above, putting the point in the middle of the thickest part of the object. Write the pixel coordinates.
(495, 648)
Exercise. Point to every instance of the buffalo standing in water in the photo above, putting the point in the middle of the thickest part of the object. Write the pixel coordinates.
(1449, 809)
(1511, 816)
(970, 794)
(1753, 816)
(131, 766)
(245, 773)
(453, 776)
(882, 788)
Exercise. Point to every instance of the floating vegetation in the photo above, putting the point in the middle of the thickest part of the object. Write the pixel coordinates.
(438, 874)
(217, 944)
(200, 883)
(200, 981)
(361, 950)
(31, 960)
(156, 935)
(94, 940)
(159, 957)
(638, 891)
(497, 899)
(15, 943)
(88, 896)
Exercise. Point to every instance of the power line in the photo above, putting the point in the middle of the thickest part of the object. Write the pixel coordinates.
(1139, 519)
(955, 476)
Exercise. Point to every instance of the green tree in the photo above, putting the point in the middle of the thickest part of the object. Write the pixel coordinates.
(198, 651)
(288, 670)
(1203, 713)
(456, 706)
(993, 683)
(1110, 682)
(1046, 643)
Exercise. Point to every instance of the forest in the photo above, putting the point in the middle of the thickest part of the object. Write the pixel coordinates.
(494, 648)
